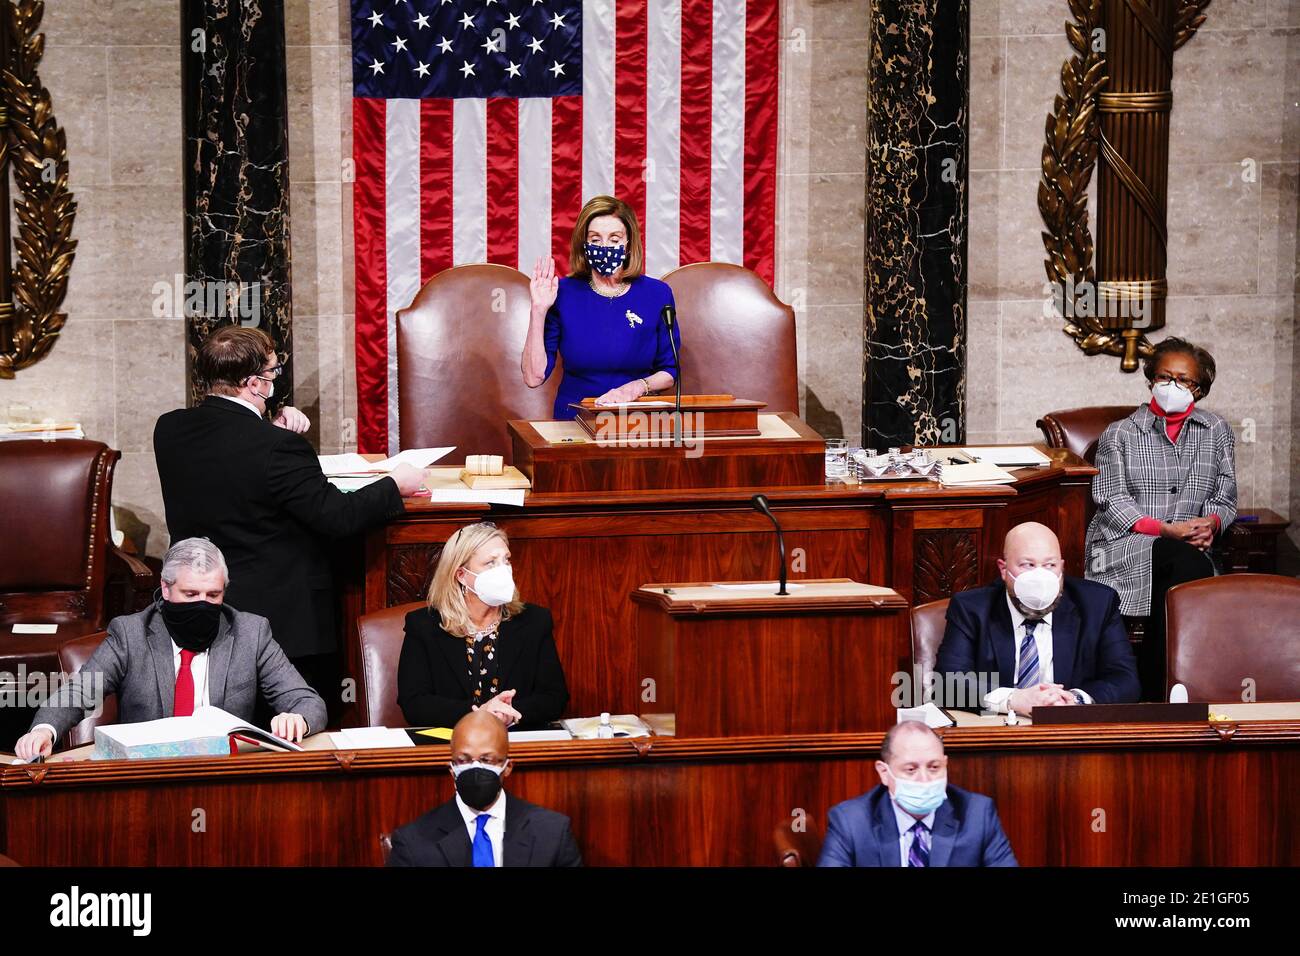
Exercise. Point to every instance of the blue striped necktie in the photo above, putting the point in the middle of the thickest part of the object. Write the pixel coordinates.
(919, 854)
(482, 845)
(1028, 676)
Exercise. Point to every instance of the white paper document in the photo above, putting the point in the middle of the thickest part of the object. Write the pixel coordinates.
(345, 483)
(350, 464)
(36, 628)
(979, 473)
(354, 464)
(1010, 456)
(538, 736)
(759, 586)
(928, 714)
(371, 738)
(498, 496)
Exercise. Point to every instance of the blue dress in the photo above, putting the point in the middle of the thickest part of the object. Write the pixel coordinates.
(607, 342)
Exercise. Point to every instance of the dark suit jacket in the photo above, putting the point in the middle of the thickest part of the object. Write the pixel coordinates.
(1090, 647)
(533, 836)
(433, 686)
(257, 491)
(967, 832)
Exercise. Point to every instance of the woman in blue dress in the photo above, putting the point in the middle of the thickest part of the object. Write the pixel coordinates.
(603, 318)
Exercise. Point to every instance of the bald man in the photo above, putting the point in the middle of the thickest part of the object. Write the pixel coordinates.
(481, 826)
(1038, 637)
(915, 818)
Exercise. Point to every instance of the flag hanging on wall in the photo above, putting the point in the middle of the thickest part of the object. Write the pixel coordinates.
(481, 126)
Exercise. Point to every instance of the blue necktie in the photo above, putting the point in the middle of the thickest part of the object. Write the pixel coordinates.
(919, 854)
(482, 845)
(1028, 676)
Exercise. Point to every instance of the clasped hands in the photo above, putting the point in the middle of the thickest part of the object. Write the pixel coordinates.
(1198, 532)
(1025, 699)
(499, 707)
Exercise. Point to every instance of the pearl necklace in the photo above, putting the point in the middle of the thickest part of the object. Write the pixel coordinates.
(623, 288)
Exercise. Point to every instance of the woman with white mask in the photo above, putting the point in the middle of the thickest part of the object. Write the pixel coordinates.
(1165, 489)
(477, 646)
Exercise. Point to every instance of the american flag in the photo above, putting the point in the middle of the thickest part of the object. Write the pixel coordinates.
(481, 126)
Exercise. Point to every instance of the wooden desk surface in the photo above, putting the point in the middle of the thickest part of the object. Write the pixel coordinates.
(1125, 795)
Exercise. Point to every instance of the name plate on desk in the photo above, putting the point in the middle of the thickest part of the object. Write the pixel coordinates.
(562, 456)
(1122, 714)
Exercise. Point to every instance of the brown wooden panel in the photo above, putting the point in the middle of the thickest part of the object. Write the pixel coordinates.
(1127, 795)
(949, 518)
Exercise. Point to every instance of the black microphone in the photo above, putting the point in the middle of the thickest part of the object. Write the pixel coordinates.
(760, 502)
(669, 317)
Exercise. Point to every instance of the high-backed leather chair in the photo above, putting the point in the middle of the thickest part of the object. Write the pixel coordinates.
(1079, 429)
(381, 634)
(58, 564)
(72, 658)
(1224, 630)
(737, 336)
(796, 849)
(458, 362)
(928, 623)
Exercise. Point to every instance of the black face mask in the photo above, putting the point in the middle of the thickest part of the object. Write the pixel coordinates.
(479, 788)
(193, 624)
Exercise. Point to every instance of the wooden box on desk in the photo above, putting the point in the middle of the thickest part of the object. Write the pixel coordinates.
(564, 457)
(728, 662)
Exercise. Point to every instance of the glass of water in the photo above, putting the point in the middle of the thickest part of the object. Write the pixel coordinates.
(837, 458)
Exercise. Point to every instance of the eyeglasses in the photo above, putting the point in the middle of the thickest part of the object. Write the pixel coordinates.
(1187, 383)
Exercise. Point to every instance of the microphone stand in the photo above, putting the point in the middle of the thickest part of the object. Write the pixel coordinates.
(760, 503)
(668, 315)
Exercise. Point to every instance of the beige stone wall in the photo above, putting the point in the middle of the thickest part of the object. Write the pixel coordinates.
(113, 68)
(1232, 225)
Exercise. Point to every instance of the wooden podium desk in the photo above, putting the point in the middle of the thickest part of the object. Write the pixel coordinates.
(1118, 795)
(734, 660)
(582, 553)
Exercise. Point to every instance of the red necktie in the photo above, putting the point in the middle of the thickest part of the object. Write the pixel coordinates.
(183, 704)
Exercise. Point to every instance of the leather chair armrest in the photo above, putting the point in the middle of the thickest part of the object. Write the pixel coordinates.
(794, 849)
(131, 583)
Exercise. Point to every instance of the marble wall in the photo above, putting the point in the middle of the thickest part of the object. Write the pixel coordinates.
(1232, 219)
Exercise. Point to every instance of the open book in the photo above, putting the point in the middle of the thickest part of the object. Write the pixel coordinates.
(209, 732)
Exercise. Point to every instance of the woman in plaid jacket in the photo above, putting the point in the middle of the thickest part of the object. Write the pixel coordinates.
(1166, 486)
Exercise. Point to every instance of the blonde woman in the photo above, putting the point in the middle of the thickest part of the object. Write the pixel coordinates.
(603, 318)
(477, 646)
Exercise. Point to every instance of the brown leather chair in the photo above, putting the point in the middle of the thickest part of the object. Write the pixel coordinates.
(72, 658)
(381, 635)
(458, 351)
(58, 564)
(795, 849)
(928, 624)
(1079, 429)
(1224, 630)
(737, 336)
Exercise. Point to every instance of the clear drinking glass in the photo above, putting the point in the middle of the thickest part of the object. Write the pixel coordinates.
(837, 460)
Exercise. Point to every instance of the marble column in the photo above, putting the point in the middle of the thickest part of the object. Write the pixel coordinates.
(236, 174)
(914, 330)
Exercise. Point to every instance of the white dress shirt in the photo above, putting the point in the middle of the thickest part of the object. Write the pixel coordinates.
(496, 827)
(198, 669)
(996, 699)
(905, 835)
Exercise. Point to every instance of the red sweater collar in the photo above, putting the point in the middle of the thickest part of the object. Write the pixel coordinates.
(1171, 419)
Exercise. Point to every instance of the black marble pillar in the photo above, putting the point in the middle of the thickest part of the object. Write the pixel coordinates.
(914, 330)
(236, 174)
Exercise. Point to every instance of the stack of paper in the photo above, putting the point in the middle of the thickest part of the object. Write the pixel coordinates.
(1009, 456)
(588, 728)
(206, 733)
(352, 464)
(977, 473)
(44, 431)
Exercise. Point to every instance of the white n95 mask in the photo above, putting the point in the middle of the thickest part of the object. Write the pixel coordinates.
(1172, 397)
(495, 586)
(1037, 588)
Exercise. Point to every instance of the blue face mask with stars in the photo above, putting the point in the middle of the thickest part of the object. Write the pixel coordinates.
(605, 259)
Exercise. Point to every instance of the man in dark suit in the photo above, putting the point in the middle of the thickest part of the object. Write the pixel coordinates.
(256, 489)
(481, 826)
(1037, 638)
(914, 817)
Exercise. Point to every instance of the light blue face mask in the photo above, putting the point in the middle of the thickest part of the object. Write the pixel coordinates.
(920, 799)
